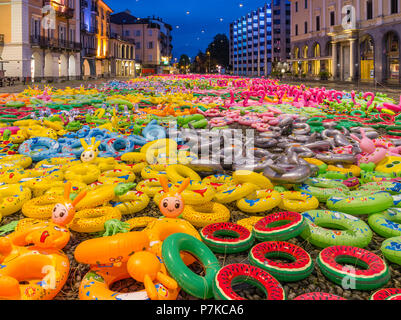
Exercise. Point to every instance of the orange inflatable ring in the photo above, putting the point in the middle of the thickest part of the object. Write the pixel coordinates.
(36, 272)
(96, 286)
(140, 222)
(92, 220)
(111, 249)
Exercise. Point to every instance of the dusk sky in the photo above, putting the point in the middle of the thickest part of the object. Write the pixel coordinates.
(203, 15)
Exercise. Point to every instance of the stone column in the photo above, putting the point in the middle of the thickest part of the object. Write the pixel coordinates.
(352, 50)
(334, 59)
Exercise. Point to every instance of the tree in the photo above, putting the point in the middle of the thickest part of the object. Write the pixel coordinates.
(184, 63)
(199, 63)
(219, 50)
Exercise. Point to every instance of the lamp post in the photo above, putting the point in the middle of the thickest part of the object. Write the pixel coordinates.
(208, 54)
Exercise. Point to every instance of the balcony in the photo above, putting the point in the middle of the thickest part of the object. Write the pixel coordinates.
(89, 52)
(62, 10)
(54, 44)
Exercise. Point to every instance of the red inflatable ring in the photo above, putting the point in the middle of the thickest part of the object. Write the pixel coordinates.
(238, 273)
(300, 267)
(279, 226)
(372, 274)
(319, 296)
(385, 294)
(215, 236)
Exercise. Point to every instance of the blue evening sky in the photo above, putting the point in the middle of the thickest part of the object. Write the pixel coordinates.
(196, 28)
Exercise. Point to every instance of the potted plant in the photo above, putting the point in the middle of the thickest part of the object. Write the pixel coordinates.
(324, 75)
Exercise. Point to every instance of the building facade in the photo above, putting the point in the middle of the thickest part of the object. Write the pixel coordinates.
(350, 39)
(41, 39)
(260, 40)
(152, 36)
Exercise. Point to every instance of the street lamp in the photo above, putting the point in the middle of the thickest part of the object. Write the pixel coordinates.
(208, 53)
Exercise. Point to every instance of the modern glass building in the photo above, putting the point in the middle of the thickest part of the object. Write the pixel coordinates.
(260, 40)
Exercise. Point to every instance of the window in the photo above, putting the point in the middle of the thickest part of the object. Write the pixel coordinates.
(150, 33)
(306, 27)
(138, 45)
(150, 45)
(317, 23)
(332, 18)
(137, 33)
(126, 33)
(150, 57)
(306, 4)
(369, 10)
(296, 6)
(394, 6)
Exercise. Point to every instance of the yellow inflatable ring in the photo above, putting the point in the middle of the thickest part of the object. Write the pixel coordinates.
(195, 194)
(296, 201)
(92, 220)
(116, 176)
(153, 171)
(179, 172)
(157, 147)
(242, 176)
(354, 170)
(205, 214)
(149, 186)
(316, 162)
(140, 222)
(12, 198)
(57, 163)
(18, 160)
(131, 202)
(86, 173)
(249, 222)
(105, 164)
(218, 181)
(97, 197)
(41, 207)
(235, 192)
(259, 201)
(57, 188)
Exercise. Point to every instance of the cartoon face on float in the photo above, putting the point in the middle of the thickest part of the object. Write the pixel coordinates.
(63, 213)
(90, 151)
(172, 204)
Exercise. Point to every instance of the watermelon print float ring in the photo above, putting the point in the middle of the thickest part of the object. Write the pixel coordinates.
(227, 237)
(326, 228)
(339, 264)
(319, 296)
(385, 294)
(236, 273)
(300, 267)
(279, 226)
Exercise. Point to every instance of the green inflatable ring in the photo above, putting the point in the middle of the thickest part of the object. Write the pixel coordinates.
(387, 186)
(361, 202)
(323, 188)
(190, 282)
(386, 224)
(391, 249)
(327, 228)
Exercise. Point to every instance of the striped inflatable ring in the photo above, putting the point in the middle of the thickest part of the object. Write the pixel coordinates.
(319, 296)
(375, 273)
(213, 235)
(239, 273)
(348, 230)
(385, 294)
(279, 226)
(300, 267)
(391, 249)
